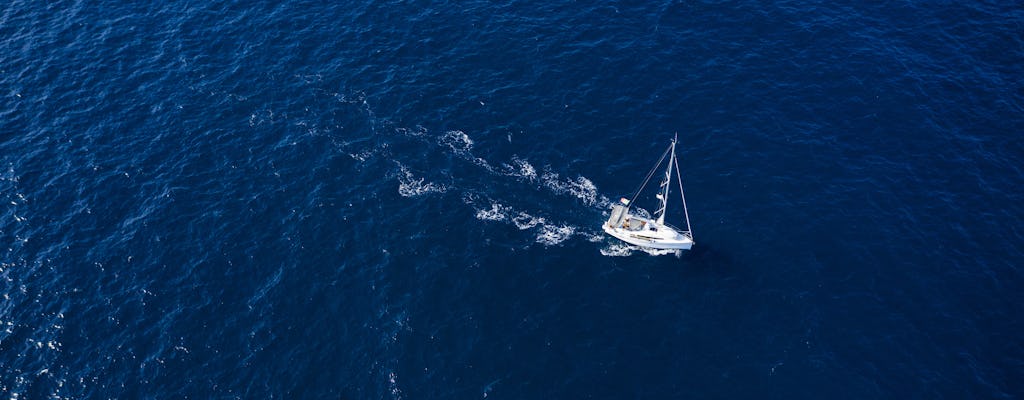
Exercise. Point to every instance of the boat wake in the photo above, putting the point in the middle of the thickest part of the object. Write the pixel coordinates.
(410, 154)
(546, 233)
(618, 249)
(410, 186)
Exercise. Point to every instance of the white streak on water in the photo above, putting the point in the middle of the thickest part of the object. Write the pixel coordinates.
(581, 187)
(550, 235)
(410, 186)
(621, 249)
(497, 212)
(521, 168)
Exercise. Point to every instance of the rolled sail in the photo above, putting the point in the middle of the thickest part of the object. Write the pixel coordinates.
(618, 213)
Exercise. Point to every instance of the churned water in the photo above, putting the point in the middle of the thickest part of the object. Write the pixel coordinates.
(403, 199)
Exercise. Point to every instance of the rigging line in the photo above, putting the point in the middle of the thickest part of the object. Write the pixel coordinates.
(682, 196)
(649, 174)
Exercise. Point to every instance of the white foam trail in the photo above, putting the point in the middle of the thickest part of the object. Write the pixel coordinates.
(551, 235)
(547, 234)
(462, 145)
(410, 186)
(418, 131)
(497, 212)
(520, 168)
(593, 237)
(581, 187)
(361, 156)
(457, 140)
(481, 162)
(619, 249)
(501, 212)
(396, 393)
(525, 221)
(664, 252)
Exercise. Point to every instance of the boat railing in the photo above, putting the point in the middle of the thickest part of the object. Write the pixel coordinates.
(686, 234)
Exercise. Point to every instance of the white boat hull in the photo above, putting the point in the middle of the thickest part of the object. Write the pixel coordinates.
(651, 235)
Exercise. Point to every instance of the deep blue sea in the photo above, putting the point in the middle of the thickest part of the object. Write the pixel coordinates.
(403, 199)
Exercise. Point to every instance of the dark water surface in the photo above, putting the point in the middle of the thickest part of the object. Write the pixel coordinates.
(384, 200)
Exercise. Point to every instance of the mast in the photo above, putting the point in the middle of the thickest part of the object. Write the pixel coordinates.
(663, 196)
(686, 213)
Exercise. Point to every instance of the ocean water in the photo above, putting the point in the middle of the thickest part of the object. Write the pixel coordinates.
(403, 199)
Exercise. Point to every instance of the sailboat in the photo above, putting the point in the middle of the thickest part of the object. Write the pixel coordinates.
(634, 226)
